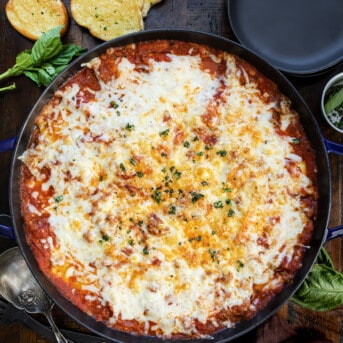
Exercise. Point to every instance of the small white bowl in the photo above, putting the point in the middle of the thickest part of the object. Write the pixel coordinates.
(334, 80)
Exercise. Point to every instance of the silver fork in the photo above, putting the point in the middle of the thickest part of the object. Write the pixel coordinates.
(9, 314)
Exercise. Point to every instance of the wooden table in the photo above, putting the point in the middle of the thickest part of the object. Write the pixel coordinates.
(209, 16)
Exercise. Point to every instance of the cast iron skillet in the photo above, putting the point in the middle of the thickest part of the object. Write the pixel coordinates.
(320, 145)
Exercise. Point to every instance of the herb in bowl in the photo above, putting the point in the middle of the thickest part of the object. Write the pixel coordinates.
(332, 103)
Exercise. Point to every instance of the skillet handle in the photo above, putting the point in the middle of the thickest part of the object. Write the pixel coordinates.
(8, 144)
(336, 149)
(6, 227)
(334, 232)
(333, 147)
(5, 220)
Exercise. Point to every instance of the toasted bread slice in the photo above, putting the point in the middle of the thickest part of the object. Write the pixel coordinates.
(107, 19)
(32, 18)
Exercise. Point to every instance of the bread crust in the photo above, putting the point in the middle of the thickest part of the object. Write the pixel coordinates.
(32, 18)
(108, 19)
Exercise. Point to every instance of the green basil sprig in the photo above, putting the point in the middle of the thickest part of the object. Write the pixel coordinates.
(47, 58)
(322, 290)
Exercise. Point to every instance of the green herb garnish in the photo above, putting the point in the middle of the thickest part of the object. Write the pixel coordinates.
(240, 265)
(231, 212)
(196, 196)
(133, 161)
(129, 127)
(218, 204)
(213, 254)
(105, 237)
(45, 61)
(172, 209)
(59, 198)
(334, 101)
(164, 133)
(221, 152)
(157, 196)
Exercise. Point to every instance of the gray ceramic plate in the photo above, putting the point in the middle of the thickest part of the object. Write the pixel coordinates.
(296, 36)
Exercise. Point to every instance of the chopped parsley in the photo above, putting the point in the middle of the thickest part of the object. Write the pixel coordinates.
(105, 237)
(129, 127)
(177, 174)
(172, 209)
(164, 133)
(226, 189)
(218, 204)
(133, 161)
(196, 196)
(221, 152)
(114, 104)
(59, 198)
(231, 212)
(157, 196)
(213, 253)
(240, 265)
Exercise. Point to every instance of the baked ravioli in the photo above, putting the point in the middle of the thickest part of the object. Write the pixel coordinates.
(169, 189)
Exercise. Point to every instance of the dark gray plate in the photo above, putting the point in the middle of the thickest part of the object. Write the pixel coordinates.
(296, 36)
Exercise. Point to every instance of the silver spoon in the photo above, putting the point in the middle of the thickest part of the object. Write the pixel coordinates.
(19, 287)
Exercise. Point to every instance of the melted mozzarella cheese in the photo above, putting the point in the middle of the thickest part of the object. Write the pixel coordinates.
(166, 228)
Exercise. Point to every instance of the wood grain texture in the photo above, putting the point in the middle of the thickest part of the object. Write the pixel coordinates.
(200, 15)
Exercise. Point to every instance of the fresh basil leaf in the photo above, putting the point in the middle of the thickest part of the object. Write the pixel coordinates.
(324, 258)
(33, 75)
(41, 77)
(49, 68)
(322, 290)
(45, 61)
(24, 59)
(60, 68)
(47, 46)
(67, 53)
(44, 77)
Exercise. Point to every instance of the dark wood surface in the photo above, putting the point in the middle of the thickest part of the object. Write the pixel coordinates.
(208, 16)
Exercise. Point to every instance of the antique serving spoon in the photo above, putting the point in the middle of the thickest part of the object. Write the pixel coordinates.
(19, 287)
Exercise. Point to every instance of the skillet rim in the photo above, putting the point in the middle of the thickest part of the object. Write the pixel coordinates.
(307, 119)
